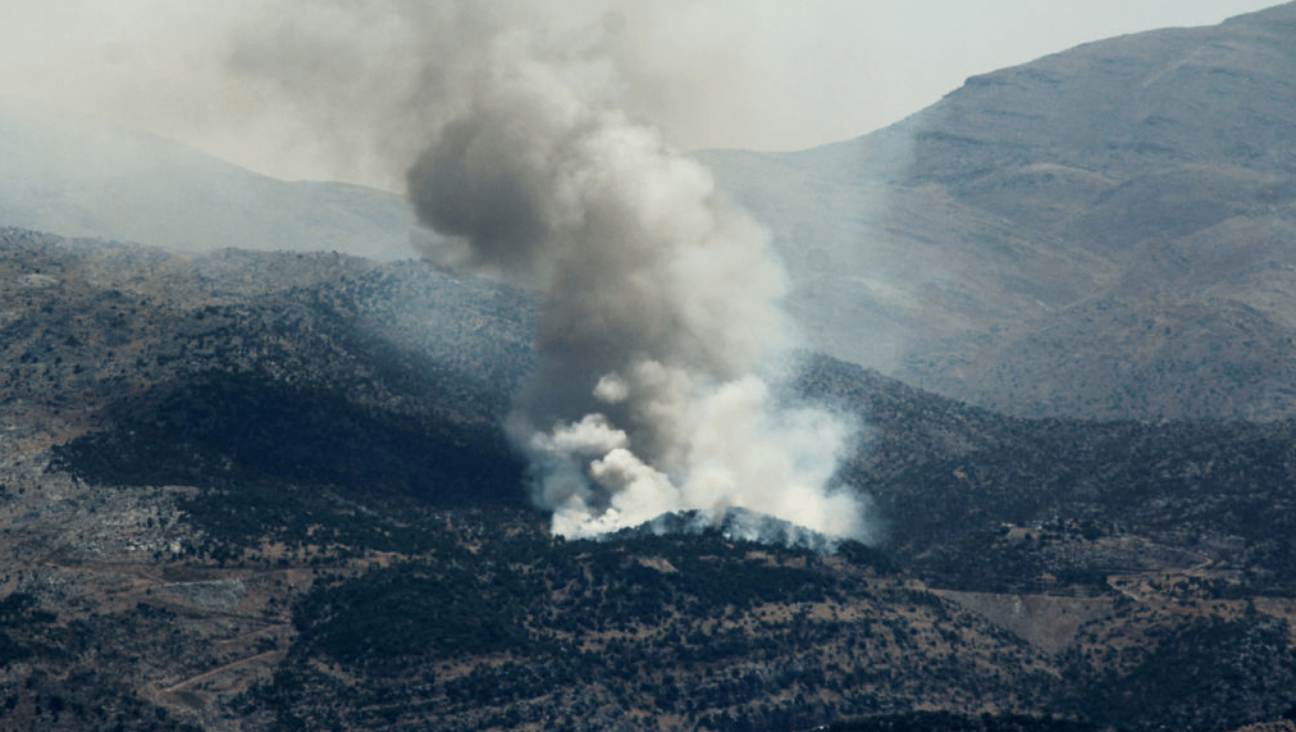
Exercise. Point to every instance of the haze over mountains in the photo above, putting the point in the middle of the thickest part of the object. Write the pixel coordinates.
(1103, 232)
(76, 176)
(1099, 233)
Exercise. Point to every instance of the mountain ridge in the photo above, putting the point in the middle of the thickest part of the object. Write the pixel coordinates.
(1151, 171)
(78, 176)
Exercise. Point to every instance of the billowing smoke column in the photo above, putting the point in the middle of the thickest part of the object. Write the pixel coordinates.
(657, 299)
(657, 304)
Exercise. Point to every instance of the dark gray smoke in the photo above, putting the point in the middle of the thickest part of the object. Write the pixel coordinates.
(657, 298)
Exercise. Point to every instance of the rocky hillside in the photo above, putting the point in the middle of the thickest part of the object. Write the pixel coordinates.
(1099, 233)
(269, 492)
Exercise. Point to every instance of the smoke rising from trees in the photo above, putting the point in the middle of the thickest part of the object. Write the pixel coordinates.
(657, 299)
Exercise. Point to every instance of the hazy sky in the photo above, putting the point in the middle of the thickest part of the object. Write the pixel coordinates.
(763, 74)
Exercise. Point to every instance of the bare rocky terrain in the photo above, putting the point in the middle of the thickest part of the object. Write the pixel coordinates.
(268, 491)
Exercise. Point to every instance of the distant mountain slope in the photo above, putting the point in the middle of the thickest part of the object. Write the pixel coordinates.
(251, 370)
(77, 176)
(1103, 232)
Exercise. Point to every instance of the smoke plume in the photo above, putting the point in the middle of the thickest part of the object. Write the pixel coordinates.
(657, 299)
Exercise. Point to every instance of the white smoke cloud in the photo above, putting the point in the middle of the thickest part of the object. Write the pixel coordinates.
(657, 298)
